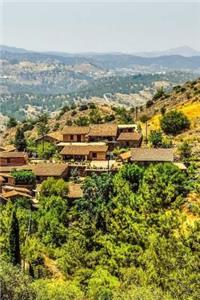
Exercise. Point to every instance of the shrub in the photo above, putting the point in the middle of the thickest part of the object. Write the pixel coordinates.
(82, 121)
(24, 176)
(73, 113)
(163, 110)
(15, 284)
(11, 122)
(149, 103)
(159, 93)
(109, 118)
(174, 122)
(92, 105)
(83, 107)
(156, 138)
(45, 150)
(20, 141)
(185, 151)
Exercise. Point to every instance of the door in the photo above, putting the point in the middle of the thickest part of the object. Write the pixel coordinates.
(78, 138)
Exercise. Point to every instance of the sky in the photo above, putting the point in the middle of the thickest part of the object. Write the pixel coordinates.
(99, 26)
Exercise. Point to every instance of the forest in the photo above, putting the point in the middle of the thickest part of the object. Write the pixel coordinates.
(133, 235)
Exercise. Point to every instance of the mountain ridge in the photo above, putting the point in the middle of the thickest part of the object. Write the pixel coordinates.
(185, 50)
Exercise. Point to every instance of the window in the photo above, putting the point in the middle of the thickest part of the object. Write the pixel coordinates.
(94, 155)
(71, 137)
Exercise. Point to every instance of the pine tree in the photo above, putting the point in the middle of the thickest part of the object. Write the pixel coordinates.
(20, 141)
(14, 246)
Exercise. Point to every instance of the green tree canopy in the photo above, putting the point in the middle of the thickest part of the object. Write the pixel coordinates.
(174, 122)
(20, 140)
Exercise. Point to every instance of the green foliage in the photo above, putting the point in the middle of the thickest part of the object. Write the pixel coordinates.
(57, 290)
(185, 151)
(53, 211)
(14, 284)
(28, 124)
(24, 177)
(42, 124)
(144, 118)
(133, 174)
(109, 118)
(56, 187)
(163, 185)
(127, 238)
(82, 121)
(156, 138)
(159, 94)
(174, 122)
(163, 110)
(13, 238)
(102, 285)
(92, 105)
(45, 150)
(83, 107)
(11, 122)
(95, 116)
(149, 103)
(124, 115)
(99, 190)
(20, 141)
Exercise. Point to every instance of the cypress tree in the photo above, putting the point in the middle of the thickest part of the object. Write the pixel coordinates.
(20, 141)
(14, 247)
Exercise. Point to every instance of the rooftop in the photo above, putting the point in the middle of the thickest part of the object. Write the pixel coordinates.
(75, 130)
(151, 154)
(75, 190)
(49, 169)
(8, 169)
(10, 148)
(14, 154)
(63, 144)
(83, 149)
(125, 155)
(56, 135)
(103, 130)
(129, 136)
(14, 193)
(7, 188)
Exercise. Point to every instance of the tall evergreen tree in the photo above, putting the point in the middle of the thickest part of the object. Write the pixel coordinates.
(20, 141)
(14, 246)
(42, 126)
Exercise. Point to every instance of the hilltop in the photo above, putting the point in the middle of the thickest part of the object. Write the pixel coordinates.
(185, 98)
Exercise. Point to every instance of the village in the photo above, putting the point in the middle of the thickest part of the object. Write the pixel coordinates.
(84, 150)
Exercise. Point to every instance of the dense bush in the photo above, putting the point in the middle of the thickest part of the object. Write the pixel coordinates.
(159, 94)
(45, 150)
(24, 176)
(20, 140)
(11, 122)
(82, 121)
(174, 122)
(155, 138)
(14, 284)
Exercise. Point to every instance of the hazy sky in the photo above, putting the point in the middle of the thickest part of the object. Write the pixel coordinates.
(100, 27)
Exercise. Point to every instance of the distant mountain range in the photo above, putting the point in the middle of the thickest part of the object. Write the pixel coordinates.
(47, 80)
(183, 51)
(152, 62)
